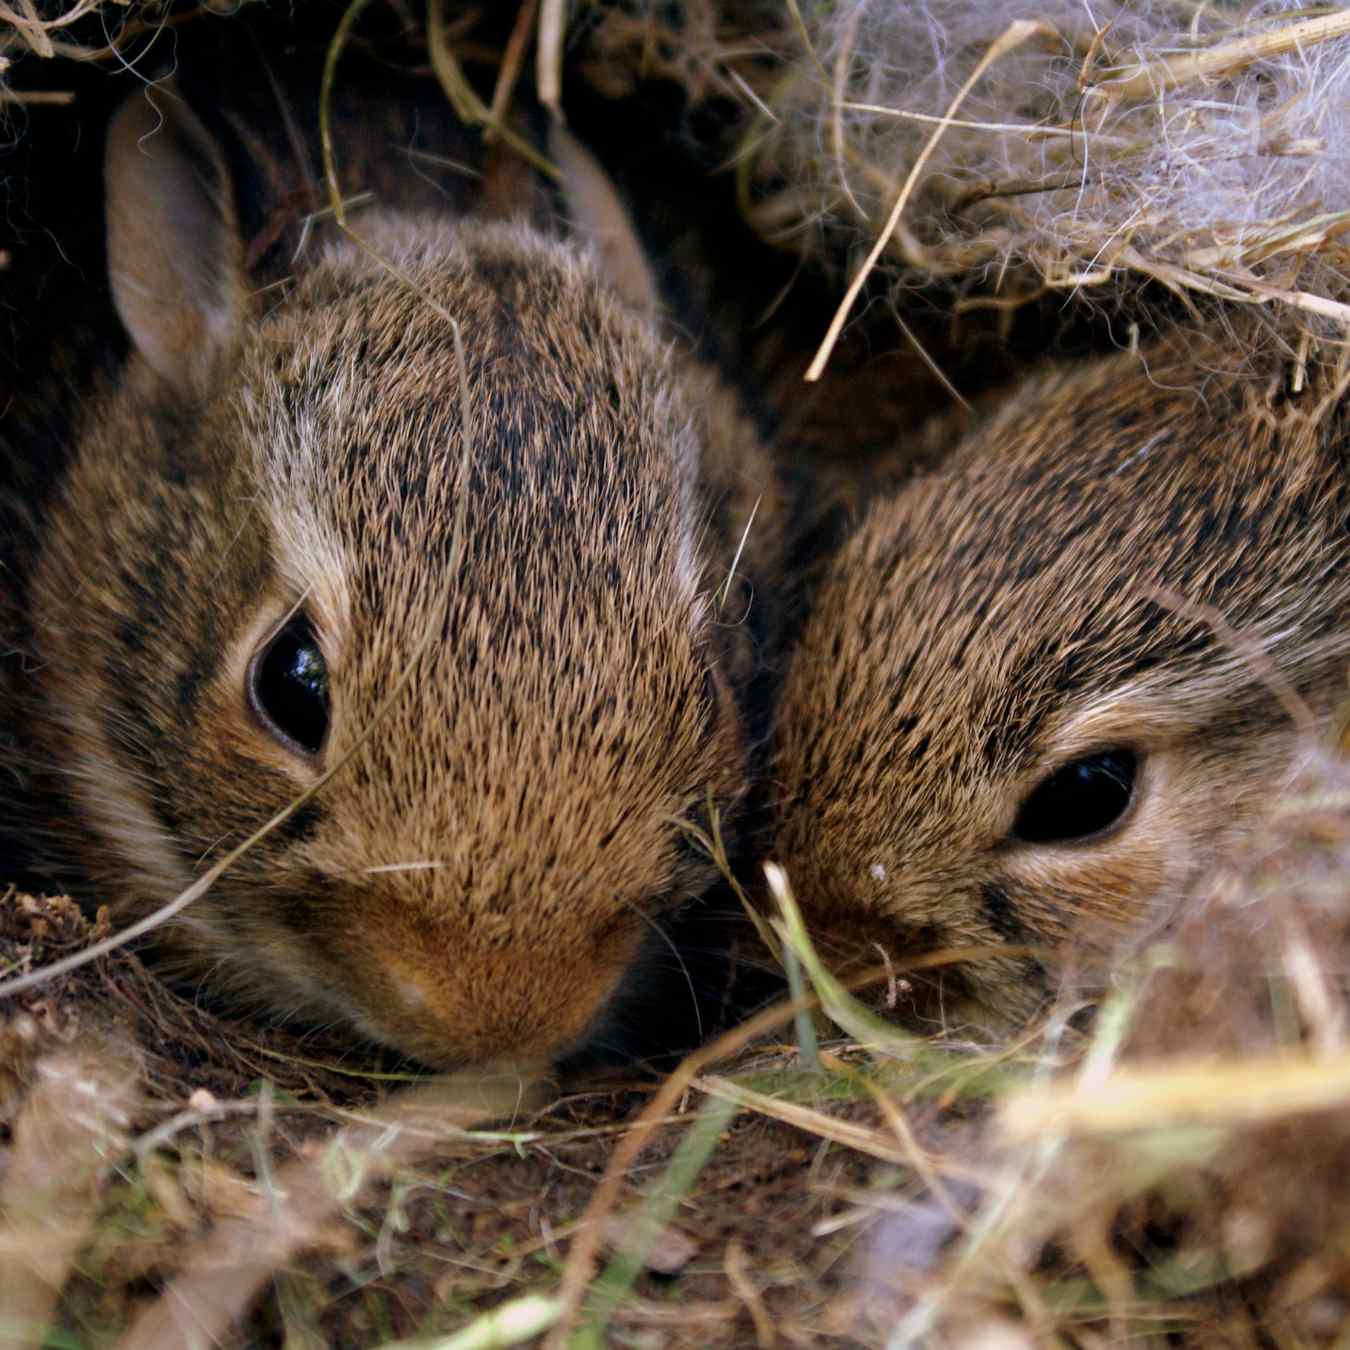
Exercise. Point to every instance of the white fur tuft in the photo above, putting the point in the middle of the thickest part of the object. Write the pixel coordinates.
(1206, 146)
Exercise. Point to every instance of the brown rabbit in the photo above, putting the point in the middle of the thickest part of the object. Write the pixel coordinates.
(1040, 688)
(257, 541)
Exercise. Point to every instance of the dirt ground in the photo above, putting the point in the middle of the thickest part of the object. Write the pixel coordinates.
(1175, 1177)
(771, 1242)
(1172, 1174)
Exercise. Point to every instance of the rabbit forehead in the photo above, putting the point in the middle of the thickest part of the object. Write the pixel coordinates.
(549, 542)
(579, 459)
(1032, 584)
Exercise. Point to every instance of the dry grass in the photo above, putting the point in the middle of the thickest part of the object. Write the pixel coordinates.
(1196, 146)
(1200, 147)
(1175, 1175)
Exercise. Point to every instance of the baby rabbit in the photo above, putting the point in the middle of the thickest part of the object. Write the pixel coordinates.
(1045, 686)
(269, 558)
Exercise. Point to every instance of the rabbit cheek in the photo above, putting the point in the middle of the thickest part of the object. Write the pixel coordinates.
(1087, 898)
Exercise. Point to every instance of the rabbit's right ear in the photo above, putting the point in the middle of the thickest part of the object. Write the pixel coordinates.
(599, 214)
(174, 253)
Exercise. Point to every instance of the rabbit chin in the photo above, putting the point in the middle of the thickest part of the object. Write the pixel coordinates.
(434, 994)
(985, 944)
(529, 1005)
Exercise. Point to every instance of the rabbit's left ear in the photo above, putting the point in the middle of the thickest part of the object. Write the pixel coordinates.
(173, 243)
(598, 215)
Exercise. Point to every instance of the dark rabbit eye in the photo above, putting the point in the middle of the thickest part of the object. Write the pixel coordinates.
(1083, 798)
(288, 686)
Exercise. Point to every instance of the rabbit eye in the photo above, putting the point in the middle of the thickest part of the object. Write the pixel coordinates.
(288, 687)
(1080, 800)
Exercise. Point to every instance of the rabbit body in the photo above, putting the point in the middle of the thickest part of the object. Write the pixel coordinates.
(1122, 579)
(528, 680)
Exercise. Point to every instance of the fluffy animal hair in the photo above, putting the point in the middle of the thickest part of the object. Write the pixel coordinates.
(529, 682)
(1079, 154)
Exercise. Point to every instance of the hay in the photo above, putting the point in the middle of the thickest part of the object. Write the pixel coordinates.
(1199, 146)
(1205, 147)
(1202, 146)
(1184, 1181)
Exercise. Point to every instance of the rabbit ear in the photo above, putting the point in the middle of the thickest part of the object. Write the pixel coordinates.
(600, 216)
(173, 241)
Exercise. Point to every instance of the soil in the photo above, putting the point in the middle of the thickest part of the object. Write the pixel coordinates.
(447, 1233)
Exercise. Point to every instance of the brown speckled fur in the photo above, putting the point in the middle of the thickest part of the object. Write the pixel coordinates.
(476, 883)
(1001, 616)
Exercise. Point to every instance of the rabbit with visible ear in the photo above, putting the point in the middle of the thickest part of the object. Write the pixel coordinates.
(1017, 715)
(267, 560)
